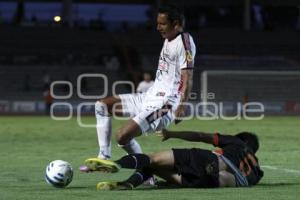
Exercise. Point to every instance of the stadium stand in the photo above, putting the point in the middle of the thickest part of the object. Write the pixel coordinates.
(29, 52)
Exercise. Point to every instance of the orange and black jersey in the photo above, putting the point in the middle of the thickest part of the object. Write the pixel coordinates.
(240, 155)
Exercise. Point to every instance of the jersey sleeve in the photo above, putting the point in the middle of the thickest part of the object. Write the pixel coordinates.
(220, 140)
(186, 51)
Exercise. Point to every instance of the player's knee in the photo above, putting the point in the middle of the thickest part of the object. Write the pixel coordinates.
(101, 108)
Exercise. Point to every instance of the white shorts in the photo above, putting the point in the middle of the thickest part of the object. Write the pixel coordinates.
(150, 114)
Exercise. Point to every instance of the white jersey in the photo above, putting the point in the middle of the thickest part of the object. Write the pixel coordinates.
(175, 55)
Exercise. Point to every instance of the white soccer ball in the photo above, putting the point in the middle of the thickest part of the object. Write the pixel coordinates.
(59, 173)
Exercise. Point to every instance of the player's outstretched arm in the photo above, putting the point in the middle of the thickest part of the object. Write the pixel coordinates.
(187, 83)
(192, 136)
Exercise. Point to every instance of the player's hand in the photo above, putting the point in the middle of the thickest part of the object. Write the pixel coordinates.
(164, 135)
(179, 113)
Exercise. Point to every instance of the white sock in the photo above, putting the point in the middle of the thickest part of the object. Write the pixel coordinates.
(103, 130)
(132, 147)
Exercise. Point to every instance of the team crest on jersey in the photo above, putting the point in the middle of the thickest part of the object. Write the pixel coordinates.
(163, 64)
(189, 56)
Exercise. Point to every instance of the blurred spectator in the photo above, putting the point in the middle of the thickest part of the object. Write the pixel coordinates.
(46, 79)
(146, 83)
(48, 99)
(258, 17)
(111, 63)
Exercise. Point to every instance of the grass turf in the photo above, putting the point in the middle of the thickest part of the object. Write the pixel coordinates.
(28, 144)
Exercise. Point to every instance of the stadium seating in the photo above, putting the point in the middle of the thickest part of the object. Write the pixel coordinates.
(29, 52)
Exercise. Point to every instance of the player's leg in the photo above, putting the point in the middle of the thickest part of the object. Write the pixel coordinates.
(160, 164)
(160, 160)
(145, 121)
(125, 139)
(165, 118)
(138, 177)
(170, 176)
(122, 105)
(126, 134)
(131, 106)
(103, 111)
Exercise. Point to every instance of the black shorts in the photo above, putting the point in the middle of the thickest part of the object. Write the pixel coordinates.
(197, 167)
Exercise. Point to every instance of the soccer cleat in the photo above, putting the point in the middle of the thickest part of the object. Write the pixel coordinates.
(86, 169)
(114, 186)
(96, 164)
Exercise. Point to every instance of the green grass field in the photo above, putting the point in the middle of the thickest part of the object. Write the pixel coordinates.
(28, 144)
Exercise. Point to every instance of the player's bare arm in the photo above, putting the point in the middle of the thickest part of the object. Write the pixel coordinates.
(187, 83)
(192, 136)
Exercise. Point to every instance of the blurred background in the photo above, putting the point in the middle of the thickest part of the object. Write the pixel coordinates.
(248, 49)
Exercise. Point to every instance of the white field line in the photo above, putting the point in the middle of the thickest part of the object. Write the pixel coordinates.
(293, 171)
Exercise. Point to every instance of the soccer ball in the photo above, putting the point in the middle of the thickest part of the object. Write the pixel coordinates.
(59, 173)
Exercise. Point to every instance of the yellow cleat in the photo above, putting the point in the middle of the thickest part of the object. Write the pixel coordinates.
(96, 164)
(114, 186)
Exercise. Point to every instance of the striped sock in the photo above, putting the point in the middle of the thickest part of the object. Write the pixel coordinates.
(134, 161)
(138, 178)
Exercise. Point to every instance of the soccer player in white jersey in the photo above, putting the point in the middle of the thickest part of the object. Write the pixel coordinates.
(162, 103)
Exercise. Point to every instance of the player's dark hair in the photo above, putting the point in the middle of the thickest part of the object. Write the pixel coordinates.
(250, 139)
(173, 12)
